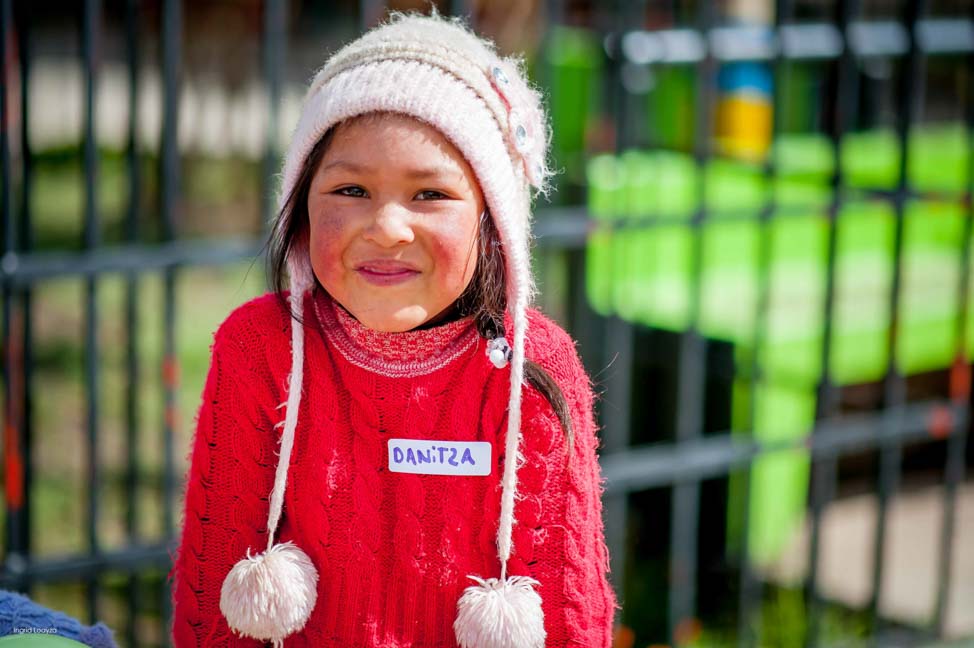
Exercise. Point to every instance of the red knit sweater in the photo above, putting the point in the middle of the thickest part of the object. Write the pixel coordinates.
(392, 550)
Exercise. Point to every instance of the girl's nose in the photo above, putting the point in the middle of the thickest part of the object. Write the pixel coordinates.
(390, 226)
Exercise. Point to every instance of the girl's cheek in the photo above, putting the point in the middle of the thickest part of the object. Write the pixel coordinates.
(327, 220)
(328, 240)
(455, 249)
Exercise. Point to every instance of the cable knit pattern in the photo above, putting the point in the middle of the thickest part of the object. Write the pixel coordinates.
(393, 550)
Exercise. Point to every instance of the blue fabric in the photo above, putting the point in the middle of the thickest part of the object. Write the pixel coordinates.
(17, 611)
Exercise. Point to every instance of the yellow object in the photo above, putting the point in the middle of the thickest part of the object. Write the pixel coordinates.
(743, 127)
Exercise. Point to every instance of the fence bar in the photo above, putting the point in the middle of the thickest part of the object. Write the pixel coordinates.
(26, 243)
(19, 341)
(275, 20)
(808, 41)
(170, 196)
(749, 585)
(171, 61)
(615, 436)
(617, 334)
(6, 200)
(39, 266)
(566, 232)
(570, 224)
(657, 465)
(131, 559)
(960, 387)
(691, 369)
(16, 494)
(132, 382)
(90, 39)
(894, 384)
(825, 470)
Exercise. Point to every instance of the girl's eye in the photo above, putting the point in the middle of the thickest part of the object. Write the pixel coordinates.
(430, 194)
(352, 192)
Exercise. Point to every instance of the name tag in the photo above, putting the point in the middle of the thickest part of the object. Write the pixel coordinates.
(466, 458)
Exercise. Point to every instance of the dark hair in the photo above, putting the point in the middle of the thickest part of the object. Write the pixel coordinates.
(485, 296)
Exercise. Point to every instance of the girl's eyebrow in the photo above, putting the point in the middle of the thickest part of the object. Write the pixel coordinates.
(347, 166)
(431, 172)
(418, 173)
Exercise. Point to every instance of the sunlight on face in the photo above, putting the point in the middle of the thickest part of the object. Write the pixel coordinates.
(394, 211)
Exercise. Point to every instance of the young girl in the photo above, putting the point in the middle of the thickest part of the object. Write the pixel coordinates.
(398, 451)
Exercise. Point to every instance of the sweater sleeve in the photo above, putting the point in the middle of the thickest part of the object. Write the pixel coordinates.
(226, 504)
(559, 533)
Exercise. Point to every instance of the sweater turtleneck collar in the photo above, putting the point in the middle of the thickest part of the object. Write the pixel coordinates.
(403, 354)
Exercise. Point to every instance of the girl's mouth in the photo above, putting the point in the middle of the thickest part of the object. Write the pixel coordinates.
(386, 278)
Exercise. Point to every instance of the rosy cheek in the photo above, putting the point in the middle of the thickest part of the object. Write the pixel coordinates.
(455, 251)
(327, 236)
(327, 221)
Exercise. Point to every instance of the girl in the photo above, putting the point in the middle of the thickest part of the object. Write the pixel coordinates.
(397, 451)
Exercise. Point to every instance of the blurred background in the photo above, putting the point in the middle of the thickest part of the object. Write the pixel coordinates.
(760, 238)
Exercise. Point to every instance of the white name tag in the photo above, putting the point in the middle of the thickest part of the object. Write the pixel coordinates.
(439, 457)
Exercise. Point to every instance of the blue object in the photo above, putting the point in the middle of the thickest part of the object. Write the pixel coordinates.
(22, 617)
(745, 78)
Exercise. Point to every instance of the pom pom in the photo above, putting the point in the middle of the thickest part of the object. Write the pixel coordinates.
(497, 357)
(499, 352)
(498, 613)
(270, 595)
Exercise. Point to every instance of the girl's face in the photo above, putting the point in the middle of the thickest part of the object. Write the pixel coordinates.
(394, 211)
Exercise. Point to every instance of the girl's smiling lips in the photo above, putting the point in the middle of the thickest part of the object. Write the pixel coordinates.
(386, 272)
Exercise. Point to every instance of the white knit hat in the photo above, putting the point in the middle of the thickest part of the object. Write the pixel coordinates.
(437, 71)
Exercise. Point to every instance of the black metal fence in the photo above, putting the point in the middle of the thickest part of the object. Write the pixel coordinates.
(144, 562)
(610, 345)
(910, 39)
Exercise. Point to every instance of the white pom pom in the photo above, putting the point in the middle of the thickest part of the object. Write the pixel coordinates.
(271, 595)
(497, 357)
(500, 614)
(499, 352)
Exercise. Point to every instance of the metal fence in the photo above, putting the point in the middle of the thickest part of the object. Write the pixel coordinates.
(910, 39)
(566, 236)
(23, 269)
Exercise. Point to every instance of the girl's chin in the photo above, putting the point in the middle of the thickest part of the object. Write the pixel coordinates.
(395, 320)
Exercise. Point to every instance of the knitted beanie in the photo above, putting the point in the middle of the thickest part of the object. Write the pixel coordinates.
(435, 70)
